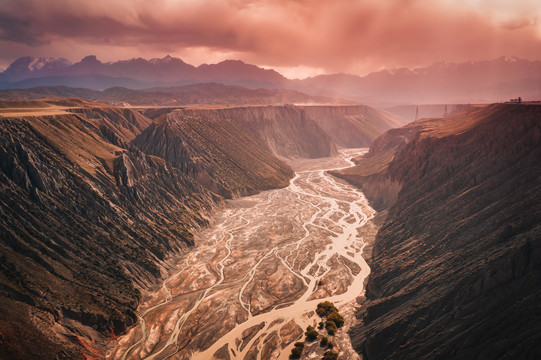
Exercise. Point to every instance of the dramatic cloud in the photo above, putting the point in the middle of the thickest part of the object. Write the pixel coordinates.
(294, 35)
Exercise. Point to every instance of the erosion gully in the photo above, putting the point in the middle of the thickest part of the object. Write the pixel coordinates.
(250, 286)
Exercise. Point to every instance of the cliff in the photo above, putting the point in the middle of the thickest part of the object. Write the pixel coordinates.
(284, 130)
(85, 223)
(456, 266)
(352, 126)
(95, 199)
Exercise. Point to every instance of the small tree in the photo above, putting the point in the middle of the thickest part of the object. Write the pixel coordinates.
(324, 341)
(296, 352)
(311, 333)
(331, 327)
(336, 318)
(326, 307)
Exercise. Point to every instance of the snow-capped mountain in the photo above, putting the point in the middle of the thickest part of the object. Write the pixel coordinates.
(27, 66)
(167, 70)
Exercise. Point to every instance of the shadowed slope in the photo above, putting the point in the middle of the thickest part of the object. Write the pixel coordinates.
(84, 223)
(456, 267)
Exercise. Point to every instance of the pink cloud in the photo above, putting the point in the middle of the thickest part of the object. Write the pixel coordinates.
(336, 36)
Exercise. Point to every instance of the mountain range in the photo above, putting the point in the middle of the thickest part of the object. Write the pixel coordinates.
(194, 94)
(135, 73)
(468, 82)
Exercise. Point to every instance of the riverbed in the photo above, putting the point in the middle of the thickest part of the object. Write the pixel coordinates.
(250, 286)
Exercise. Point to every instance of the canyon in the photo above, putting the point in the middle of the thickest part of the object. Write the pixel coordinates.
(214, 232)
(99, 203)
(251, 284)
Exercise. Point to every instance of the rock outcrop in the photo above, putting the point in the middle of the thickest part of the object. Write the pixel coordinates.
(456, 267)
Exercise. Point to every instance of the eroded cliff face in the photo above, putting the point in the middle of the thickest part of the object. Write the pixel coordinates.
(352, 126)
(284, 130)
(85, 223)
(456, 267)
(215, 151)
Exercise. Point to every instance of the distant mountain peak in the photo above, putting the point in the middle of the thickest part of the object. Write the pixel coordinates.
(28, 65)
(167, 59)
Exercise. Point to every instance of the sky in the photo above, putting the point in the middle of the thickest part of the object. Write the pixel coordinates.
(298, 38)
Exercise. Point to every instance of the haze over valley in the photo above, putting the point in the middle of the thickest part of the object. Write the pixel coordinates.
(340, 180)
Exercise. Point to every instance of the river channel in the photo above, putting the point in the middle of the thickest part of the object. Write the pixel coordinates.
(249, 287)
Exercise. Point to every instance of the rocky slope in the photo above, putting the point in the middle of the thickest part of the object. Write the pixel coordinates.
(95, 199)
(86, 221)
(216, 150)
(284, 130)
(456, 267)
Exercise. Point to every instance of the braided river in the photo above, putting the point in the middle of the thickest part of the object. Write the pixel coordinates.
(249, 287)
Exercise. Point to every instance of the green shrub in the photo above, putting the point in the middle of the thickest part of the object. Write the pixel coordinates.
(324, 341)
(321, 325)
(299, 344)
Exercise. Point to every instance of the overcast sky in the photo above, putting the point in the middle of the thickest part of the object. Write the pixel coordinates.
(296, 37)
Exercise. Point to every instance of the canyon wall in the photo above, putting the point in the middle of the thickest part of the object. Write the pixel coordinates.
(456, 266)
(214, 150)
(284, 130)
(352, 126)
(85, 223)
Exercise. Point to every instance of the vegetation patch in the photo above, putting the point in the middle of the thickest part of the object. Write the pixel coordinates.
(296, 352)
(311, 333)
(330, 355)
